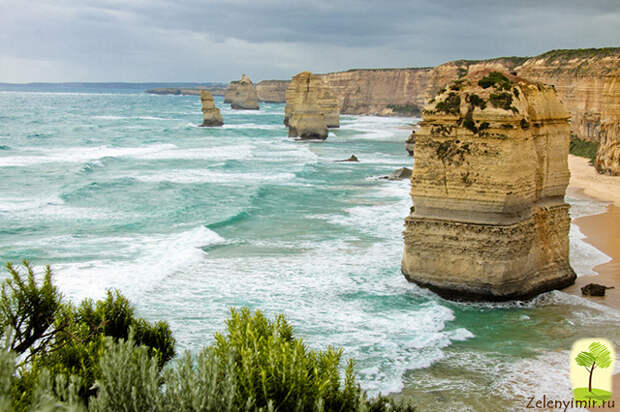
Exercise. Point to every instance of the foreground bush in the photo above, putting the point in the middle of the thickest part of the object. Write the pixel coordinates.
(53, 337)
(113, 362)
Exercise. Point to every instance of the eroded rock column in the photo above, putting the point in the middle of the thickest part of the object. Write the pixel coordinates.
(490, 172)
(241, 94)
(307, 93)
(211, 115)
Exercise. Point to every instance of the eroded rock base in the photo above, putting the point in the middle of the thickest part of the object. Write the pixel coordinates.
(490, 261)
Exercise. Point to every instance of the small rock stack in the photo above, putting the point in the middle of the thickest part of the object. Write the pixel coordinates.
(241, 94)
(210, 114)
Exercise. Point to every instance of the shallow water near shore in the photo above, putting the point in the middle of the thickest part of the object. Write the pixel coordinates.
(123, 190)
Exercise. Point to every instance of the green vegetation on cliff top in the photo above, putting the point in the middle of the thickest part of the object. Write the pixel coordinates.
(568, 54)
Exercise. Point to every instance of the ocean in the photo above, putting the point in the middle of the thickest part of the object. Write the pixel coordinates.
(115, 188)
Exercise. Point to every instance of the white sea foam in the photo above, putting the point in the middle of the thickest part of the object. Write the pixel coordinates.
(378, 128)
(191, 176)
(250, 126)
(583, 256)
(150, 152)
(149, 260)
(14, 204)
(111, 117)
(228, 152)
(32, 156)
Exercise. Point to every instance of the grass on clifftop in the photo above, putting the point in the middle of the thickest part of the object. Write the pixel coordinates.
(568, 54)
(583, 148)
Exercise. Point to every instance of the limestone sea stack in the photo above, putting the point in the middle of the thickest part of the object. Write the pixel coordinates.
(490, 171)
(308, 123)
(307, 88)
(211, 115)
(241, 94)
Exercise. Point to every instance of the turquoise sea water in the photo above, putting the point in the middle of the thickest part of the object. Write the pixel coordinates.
(123, 190)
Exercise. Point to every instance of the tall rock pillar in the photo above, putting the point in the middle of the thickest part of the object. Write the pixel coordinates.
(211, 115)
(490, 172)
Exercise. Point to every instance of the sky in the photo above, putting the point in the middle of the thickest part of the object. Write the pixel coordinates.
(217, 40)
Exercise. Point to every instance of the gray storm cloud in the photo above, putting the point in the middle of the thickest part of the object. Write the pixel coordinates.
(191, 40)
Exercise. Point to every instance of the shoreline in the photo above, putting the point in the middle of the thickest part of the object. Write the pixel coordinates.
(601, 230)
(594, 185)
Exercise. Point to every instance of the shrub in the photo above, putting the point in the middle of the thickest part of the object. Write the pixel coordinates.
(475, 100)
(129, 379)
(583, 148)
(106, 359)
(525, 124)
(408, 109)
(28, 311)
(501, 100)
(63, 340)
(450, 105)
(270, 365)
(468, 122)
(495, 79)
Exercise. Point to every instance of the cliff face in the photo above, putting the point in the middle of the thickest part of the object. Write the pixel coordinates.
(490, 172)
(588, 83)
(211, 115)
(241, 94)
(307, 90)
(272, 91)
(403, 92)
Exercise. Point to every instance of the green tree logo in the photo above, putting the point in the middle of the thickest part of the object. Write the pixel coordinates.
(597, 356)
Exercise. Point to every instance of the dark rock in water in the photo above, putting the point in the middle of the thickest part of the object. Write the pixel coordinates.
(592, 289)
(353, 158)
(400, 174)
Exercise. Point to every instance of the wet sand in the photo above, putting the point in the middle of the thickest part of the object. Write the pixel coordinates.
(603, 232)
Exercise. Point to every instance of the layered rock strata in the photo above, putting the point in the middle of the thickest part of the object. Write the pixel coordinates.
(241, 94)
(308, 123)
(401, 92)
(210, 114)
(588, 83)
(490, 171)
(307, 89)
(272, 91)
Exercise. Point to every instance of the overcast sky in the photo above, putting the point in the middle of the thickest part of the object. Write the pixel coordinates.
(217, 40)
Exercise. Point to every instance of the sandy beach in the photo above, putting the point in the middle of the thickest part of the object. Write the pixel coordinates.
(584, 177)
(602, 231)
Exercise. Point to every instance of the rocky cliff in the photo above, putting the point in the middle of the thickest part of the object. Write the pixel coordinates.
(403, 92)
(489, 218)
(211, 115)
(307, 90)
(272, 91)
(241, 94)
(588, 83)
